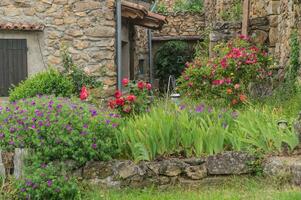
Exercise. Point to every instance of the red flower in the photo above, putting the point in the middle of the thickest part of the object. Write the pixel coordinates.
(218, 82)
(242, 97)
(131, 98)
(125, 82)
(140, 85)
(229, 91)
(149, 86)
(84, 93)
(234, 102)
(120, 102)
(224, 63)
(254, 48)
(118, 94)
(112, 104)
(244, 37)
(228, 80)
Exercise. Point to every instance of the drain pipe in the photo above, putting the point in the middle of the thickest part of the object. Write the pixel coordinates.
(150, 49)
(119, 43)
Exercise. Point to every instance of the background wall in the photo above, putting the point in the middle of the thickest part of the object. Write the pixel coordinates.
(272, 22)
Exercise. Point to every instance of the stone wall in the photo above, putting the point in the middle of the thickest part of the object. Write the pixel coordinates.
(141, 52)
(119, 173)
(283, 16)
(182, 24)
(165, 172)
(87, 27)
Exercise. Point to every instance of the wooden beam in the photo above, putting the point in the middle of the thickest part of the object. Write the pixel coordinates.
(246, 16)
(186, 38)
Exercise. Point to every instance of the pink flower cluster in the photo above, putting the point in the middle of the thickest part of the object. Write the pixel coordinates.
(237, 63)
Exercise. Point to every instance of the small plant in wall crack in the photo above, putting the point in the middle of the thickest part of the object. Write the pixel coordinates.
(79, 77)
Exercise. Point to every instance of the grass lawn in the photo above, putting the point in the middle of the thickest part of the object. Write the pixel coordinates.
(235, 188)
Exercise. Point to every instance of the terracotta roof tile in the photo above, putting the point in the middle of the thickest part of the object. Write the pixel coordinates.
(139, 15)
(22, 26)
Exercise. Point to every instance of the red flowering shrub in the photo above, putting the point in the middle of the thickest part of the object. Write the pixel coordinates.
(229, 74)
(136, 100)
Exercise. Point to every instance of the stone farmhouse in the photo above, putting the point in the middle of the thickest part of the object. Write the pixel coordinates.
(32, 33)
(119, 38)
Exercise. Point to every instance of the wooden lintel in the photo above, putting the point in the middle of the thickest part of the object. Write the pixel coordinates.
(186, 38)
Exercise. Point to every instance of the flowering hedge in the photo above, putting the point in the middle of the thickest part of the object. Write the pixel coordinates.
(58, 129)
(136, 100)
(228, 75)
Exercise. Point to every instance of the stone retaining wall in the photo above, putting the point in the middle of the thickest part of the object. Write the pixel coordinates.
(189, 171)
(119, 173)
(165, 172)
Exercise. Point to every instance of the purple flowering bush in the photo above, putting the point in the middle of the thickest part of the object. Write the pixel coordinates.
(47, 182)
(58, 129)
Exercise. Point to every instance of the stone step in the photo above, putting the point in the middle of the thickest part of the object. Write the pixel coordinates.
(284, 168)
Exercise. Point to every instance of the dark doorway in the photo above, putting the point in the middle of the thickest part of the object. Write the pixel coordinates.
(13, 63)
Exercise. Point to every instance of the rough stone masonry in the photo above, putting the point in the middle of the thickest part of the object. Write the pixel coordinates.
(87, 27)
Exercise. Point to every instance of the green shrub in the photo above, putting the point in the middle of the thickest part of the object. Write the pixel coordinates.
(161, 8)
(46, 181)
(44, 83)
(233, 13)
(195, 6)
(194, 131)
(58, 129)
(170, 59)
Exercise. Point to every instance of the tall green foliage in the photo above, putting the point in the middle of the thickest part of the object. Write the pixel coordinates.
(166, 131)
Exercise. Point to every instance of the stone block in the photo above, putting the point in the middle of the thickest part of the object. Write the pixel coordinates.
(104, 31)
(19, 158)
(196, 172)
(259, 36)
(229, 163)
(273, 36)
(171, 168)
(127, 169)
(98, 170)
(273, 7)
(86, 5)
